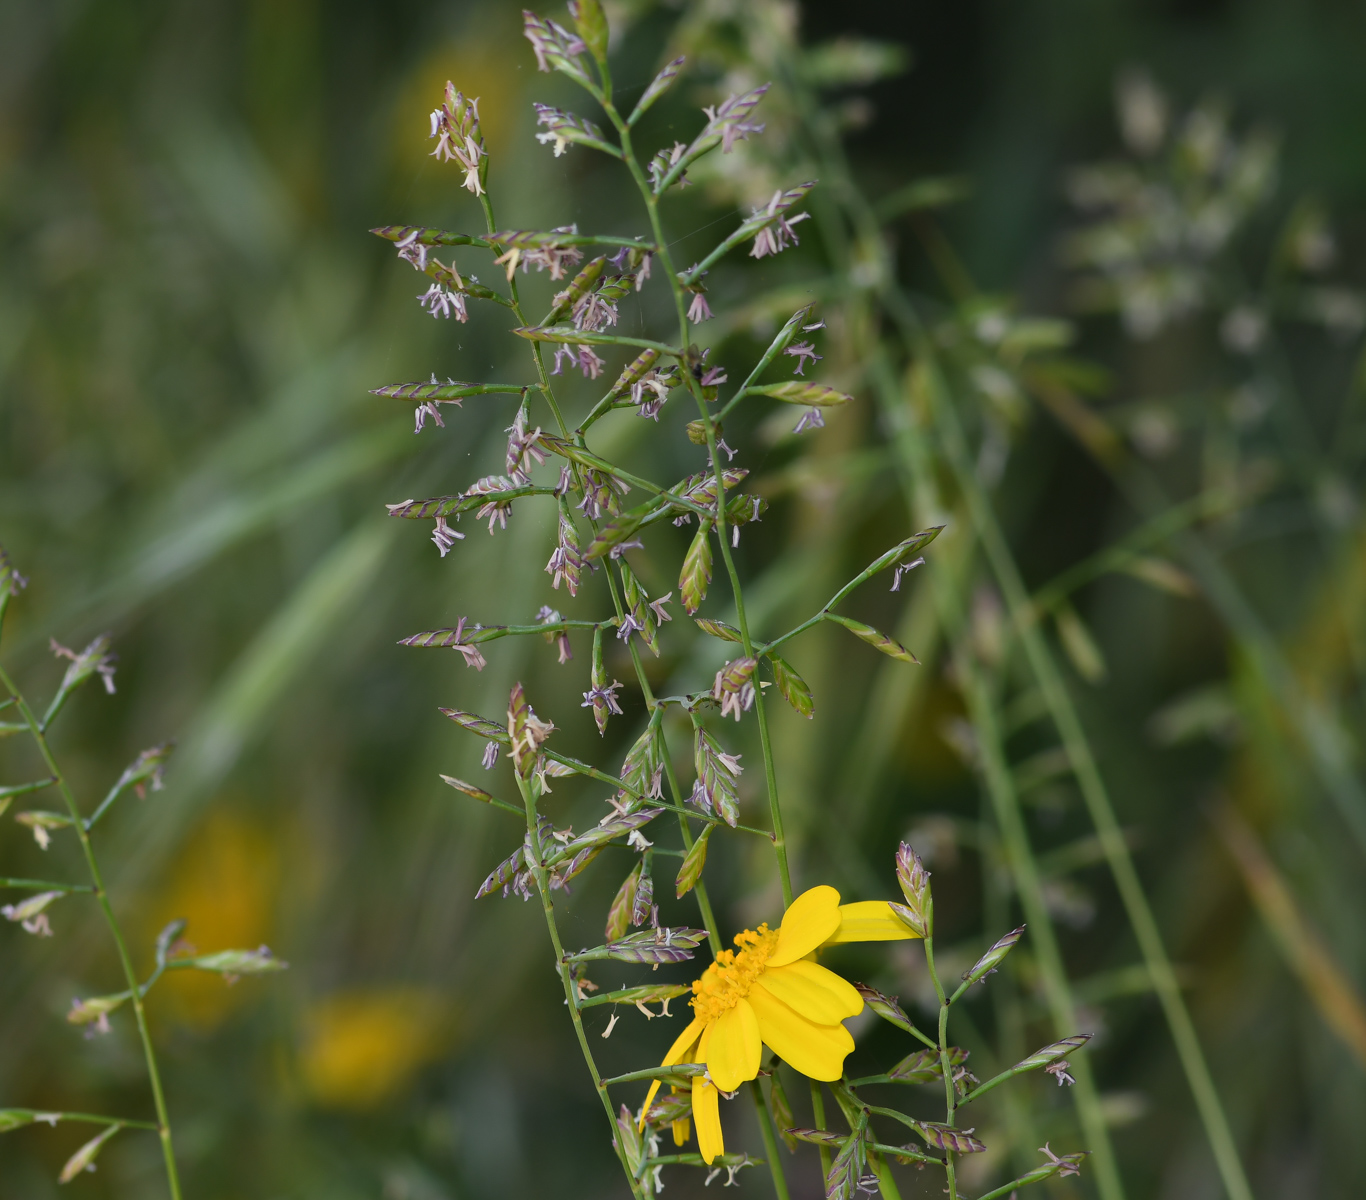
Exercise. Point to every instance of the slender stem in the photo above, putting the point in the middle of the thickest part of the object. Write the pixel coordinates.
(703, 899)
(780, 343)
(533, 833)
(24, 789)
(1000, 788)
(945, 1067)
(682, 1070)
(882, 1169)
(566, 978)
(45, 885)
(825, 609)
(779, 841)
(765, 1115)
(163, 1125)
(818, 1117)
(835, 165)
(713, 453)
(1101, 810)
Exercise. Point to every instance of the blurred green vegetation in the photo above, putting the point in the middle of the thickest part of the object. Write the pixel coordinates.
(191, 313)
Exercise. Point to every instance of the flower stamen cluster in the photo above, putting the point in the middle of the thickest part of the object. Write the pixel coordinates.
(729, 979)
(456, 124)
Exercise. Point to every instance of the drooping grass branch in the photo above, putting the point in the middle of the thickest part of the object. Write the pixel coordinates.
(95, 661)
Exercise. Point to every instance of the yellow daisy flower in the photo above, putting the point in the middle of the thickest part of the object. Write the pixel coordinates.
(769, 992)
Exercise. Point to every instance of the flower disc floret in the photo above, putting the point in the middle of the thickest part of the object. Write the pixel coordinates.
(729, 979)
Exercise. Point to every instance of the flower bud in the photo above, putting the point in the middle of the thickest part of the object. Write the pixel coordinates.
(918, 911)
(993, 957)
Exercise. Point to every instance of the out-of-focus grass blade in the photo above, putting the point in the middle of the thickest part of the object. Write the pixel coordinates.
(1305, 953)
(240, 706)
(193, 543)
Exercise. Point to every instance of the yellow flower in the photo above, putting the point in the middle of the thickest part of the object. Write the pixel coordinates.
(768, 991)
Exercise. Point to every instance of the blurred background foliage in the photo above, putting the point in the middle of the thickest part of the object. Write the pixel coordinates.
(191, 313)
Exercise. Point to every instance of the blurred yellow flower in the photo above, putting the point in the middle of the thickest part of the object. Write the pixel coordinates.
(363, 1047)
(224, 884)
(768, 992)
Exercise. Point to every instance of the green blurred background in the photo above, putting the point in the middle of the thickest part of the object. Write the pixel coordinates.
(191, 313)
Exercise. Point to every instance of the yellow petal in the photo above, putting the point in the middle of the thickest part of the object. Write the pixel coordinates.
(734, 1049)
(812, 919)
(678, 1053)
(813, 992)
(706, 1112)
(868, 921)
(817, 1051)
(682, 1128)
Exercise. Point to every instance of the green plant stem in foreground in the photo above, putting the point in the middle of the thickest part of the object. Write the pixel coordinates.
(163, 1125)
(818, 1120)
(566, 979)
(945, 1066)
(651, 202)
(709, 425)
(765, 1115)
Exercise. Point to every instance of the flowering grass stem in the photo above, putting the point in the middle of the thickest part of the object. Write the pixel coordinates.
(732, 1008)
(703, 899)
(163, 1121)
(713, 453)
(945, 1066)
(566, 978)
(708, 423)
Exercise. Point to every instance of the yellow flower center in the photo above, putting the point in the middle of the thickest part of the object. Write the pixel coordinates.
(728, 980)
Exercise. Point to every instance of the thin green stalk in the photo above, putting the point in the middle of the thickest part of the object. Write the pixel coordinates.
(703, 900)
(765, 1115)
(566, 978)
(818, 1119)
(708, 424)
(765, 741)
(882, 1169)
(1000, 788)
(45, 885)
(1097, 799)
(1064, 715)
(945, 1066)
(163, 1125)
(922, 480)
(533, 834)
(1011, 1043)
